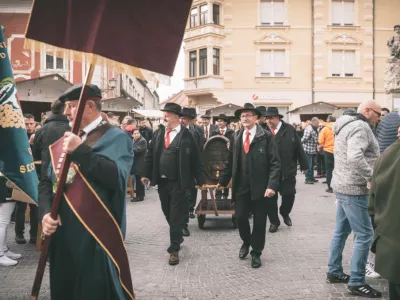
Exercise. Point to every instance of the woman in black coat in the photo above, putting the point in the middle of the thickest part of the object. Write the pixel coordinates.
(139, 150)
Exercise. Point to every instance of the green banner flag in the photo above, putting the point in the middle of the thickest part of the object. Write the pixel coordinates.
(16, 161)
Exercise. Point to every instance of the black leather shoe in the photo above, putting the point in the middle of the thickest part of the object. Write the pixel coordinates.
(32, 241)
(174, 258)
(137, 199)
(185, 232)
(255, 262)
(273, 228)
(191, 215)
(287, 221)
(19, 239)
(244, 251)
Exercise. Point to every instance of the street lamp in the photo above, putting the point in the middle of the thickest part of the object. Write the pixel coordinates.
(112, 84)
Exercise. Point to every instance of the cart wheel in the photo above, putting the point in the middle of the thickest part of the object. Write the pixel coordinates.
(201, 219)
(234, 222)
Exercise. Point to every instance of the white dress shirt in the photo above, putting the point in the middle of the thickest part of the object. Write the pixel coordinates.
(208, 131)
(252, 133)
(173, 133)
(222, 129)
(91, 127)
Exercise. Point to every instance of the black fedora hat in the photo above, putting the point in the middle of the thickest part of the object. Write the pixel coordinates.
(187, 112)
(247, 107)
(173, 108)
(206, 117)
(223, 117)
(262, 109)
(273, 111)
(193, 112)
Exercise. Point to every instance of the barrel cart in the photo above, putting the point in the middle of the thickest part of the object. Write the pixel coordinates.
(215, 157)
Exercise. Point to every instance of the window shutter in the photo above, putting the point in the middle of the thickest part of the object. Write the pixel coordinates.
(266, 63)
(266, 12)
(337, 11)
(336, 63)
(348, 8)
(279, 63)
(349, 63)
(279, 12)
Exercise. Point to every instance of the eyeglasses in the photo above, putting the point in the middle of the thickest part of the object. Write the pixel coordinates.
(378, 113)
(246, 116)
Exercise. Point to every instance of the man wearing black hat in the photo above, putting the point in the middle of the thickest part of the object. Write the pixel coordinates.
(290, 152)
(191, 193)
(262, 119)
(88, 248)
(173, 163)
(193, 122)
(254, 167)
(222, 129)
(208, 128)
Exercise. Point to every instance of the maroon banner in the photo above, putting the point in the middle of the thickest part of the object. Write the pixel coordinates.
(95, 217)
(142, 33)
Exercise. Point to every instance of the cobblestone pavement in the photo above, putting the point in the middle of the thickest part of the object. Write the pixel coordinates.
(294, 259)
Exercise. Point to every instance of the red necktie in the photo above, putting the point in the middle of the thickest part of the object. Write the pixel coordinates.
(167, 139)
(273, 131)
(246, 144)
(222, 132)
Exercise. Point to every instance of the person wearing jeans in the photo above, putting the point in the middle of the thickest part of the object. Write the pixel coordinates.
(310, 173)
(356, 150)
(310, 144)
(326, 141)
(7, 258)
(351, 215)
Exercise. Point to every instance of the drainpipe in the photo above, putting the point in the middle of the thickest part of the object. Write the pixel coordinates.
(312, 52)
(373, 48)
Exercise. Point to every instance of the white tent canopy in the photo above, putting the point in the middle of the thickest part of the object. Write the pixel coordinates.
(148, 113)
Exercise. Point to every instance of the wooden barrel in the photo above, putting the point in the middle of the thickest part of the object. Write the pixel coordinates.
(215, 157)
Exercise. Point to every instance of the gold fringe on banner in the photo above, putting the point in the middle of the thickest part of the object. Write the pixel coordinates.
(91, 58)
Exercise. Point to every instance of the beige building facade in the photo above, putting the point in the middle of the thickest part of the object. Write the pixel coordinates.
(288, 53)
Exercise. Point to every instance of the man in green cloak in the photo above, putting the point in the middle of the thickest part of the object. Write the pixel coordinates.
(88, 259)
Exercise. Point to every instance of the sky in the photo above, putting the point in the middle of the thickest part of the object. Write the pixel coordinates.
(176, 86)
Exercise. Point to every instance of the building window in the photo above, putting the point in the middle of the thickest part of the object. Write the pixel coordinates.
(203, 62)
(193, 17)
(216, 14)
(203, 14)
(54, 60)
(216, 61)
(343, 63)
(272, 12)
(273, 63)
(192, 64)
(343, 12)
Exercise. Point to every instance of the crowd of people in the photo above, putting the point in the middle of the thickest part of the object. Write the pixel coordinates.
(356, 152)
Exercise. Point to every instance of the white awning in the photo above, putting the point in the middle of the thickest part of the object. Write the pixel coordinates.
(148, 113)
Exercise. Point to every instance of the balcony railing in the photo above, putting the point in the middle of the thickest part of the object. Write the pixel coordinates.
(197, 84)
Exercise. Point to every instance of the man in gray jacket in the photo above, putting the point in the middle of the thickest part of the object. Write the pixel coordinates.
(356, 150)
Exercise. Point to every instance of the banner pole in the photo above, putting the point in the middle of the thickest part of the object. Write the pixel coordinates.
(60, 188)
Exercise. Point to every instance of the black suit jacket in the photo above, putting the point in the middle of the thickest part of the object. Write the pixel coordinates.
(264, 164)
(290, 151)
(189, 166)
(139, 150)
